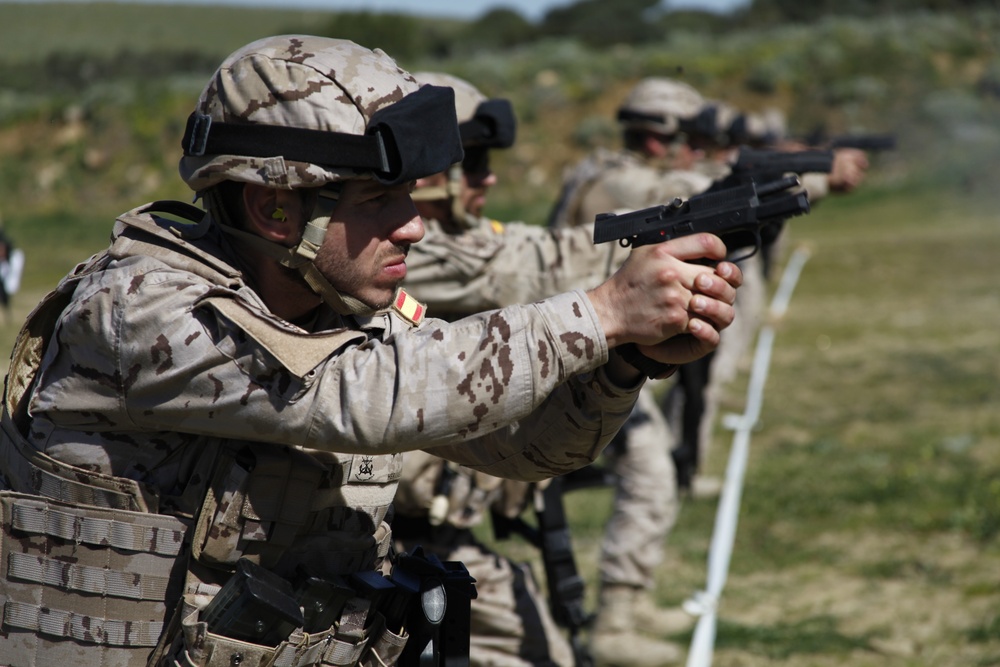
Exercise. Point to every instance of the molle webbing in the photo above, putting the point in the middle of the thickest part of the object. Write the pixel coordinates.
(73, 576)
(38, 517)
(83, 628)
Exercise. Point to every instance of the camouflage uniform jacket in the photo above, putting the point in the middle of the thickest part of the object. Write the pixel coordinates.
(477, 265)
(607, 181)
(164, 355)
(487, 264)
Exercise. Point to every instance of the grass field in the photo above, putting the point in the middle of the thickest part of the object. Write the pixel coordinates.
(36, 31)
(871, 513)
(871, 507)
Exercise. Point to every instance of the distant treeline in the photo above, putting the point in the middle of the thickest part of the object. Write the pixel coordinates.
(595, 24)
(598, 23)
(91, 111)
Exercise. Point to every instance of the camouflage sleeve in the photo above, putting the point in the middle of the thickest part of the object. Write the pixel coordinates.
(495, 265)
(515, 390)
(525, 382)
(569, 431)
(632, 188)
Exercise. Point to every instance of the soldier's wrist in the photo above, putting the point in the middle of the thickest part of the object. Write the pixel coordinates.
(652, 369)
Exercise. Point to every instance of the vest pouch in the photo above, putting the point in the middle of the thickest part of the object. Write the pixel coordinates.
(344, 645)
(78, 582)
(201, 648)
(219, 527)
(261, 496)
(384, 647)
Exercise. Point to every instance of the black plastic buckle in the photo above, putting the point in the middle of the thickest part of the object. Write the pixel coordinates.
(196, 134)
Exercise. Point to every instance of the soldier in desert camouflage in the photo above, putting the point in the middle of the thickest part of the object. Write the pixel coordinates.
(241, 388)
(653, 166)
(727, 130)
(467, 263)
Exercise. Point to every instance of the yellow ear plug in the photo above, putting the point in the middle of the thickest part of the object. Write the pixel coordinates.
(279, 214)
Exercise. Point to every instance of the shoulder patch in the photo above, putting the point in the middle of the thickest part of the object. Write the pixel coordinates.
(409, 308)
(497, 226)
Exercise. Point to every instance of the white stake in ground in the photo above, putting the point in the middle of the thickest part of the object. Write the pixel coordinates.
(704, 604)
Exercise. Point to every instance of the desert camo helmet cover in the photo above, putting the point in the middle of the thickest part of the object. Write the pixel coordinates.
(299, 111)
(483, 124)
(659, 104)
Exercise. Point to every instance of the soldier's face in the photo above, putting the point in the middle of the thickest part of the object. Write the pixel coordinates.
(474, 188)
(370, 232)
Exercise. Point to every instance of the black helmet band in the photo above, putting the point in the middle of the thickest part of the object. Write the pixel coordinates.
(493, 125)
(417, 136)
(630, 116)
(705, 124)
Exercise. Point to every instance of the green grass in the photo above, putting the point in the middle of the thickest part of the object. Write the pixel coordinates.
(33, 32)
(873, 489)
(781, 641)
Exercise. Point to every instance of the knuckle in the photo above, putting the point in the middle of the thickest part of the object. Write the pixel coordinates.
(668, 276)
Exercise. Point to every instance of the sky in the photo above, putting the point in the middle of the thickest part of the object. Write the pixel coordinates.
(466, 9)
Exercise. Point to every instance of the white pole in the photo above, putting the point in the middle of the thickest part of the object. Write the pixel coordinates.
(705, 603)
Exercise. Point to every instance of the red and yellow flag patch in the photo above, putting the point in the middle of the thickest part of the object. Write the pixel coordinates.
(409, 308)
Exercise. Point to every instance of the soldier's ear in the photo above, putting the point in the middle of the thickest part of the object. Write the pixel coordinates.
(267, 215)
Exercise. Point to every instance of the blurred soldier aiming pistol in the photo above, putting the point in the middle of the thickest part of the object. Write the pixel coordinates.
(660, 135)
(750, 147)
(11, 268)
(238, 384)
(465, 264)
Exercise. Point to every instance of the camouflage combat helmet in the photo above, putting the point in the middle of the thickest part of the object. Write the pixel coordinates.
(298, 111)
(467, 97)
(659, 105)
(483, 124)
(330, 91)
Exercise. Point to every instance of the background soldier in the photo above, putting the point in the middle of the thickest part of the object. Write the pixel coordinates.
(466, 264)
(654, 165)
(692, 406)
(228, 400)
(11, 268)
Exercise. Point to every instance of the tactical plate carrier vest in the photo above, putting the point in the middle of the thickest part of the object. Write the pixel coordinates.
(96, 570)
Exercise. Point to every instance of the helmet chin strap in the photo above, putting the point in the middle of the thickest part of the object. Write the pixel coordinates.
(452, 191)
(301, 258)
